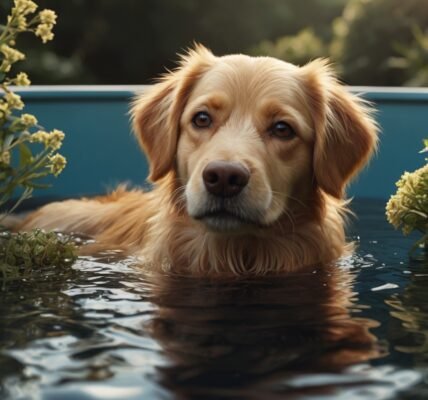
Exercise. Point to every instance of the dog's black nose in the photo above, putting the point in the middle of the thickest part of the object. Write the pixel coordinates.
(224, 178)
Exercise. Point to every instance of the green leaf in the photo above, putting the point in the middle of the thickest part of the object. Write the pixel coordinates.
(2, 76)
(35, 185)
(38, 175)
(6, 171)
(25, 155)
(8, 141)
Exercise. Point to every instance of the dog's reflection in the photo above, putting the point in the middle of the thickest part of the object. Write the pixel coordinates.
(254, 334)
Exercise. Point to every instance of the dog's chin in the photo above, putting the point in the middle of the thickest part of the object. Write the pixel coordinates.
(225, 221)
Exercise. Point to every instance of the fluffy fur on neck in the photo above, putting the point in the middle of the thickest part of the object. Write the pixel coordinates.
(176, 243)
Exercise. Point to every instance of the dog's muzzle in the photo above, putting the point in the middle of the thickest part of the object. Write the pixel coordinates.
(224, 178)
(224, 208)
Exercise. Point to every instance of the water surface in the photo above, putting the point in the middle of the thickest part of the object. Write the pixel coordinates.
(106, 330)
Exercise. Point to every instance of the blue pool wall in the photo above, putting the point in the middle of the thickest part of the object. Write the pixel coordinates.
(102, 152)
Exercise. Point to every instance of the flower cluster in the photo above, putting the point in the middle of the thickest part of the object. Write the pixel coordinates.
(22, 79)
(24, 19)
(408, 208)
(58, 163)
(21, 167)
(10, 56)
(28, 120)
(24, 7)
(13, 101)
(51, 140)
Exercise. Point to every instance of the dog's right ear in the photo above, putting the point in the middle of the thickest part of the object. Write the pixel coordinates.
(156, 113)
(346, 134)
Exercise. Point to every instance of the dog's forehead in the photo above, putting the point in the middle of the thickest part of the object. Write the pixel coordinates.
(248, 79)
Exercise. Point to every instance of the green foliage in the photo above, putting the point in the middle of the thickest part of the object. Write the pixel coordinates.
(366, 38)
(23, 254)
(373, 42)
(132, 41)
(408, 208)
(414, 59)
(298, 49)
(22, 164)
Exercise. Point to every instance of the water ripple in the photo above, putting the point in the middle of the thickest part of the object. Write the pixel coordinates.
(355, 330)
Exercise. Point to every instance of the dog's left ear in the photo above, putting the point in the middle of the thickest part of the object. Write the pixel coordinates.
(345, 133)
(156, 113)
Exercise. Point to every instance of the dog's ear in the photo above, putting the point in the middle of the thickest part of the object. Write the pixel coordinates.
(156, 113)
(345, 132)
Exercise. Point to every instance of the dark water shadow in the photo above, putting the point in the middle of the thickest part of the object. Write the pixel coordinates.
(255, 338)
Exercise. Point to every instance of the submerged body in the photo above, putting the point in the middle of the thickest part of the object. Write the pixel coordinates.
(150, 226)
(250, 158)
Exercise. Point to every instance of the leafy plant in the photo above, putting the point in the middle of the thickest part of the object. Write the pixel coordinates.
(20, 252)
(414, 58)
(21, 166)
(27, 152)
(408, 208)
(298, 49)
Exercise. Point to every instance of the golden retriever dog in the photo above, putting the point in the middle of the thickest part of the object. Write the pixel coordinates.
(250, 158)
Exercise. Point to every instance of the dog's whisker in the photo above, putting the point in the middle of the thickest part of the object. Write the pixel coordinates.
(291, 218)
(297, 200)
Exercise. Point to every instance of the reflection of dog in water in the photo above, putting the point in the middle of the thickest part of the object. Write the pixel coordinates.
(248, 337)
(250, 157)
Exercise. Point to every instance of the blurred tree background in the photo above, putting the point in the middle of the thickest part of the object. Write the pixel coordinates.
(371, 42)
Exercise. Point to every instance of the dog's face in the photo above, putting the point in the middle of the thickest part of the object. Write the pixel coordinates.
(248, 136)
(245, 143)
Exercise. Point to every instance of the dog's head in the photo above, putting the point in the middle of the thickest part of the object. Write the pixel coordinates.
(246, 136)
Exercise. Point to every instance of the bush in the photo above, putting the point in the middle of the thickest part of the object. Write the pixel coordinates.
(22, 164)
(298, 49)
(27, 152)
(369, 33)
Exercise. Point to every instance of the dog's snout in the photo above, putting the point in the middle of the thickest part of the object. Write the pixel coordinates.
(224, 178)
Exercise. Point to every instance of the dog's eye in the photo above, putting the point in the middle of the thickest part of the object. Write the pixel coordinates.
(202, 120)
(282, 130)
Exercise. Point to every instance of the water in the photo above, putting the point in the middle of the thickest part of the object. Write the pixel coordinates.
(106, 330)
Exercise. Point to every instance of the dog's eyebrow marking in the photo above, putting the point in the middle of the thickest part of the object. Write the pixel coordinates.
(215, 101)
(273, 109)
(218, 101)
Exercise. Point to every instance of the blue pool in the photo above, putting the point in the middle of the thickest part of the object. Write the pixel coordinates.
(106, 329)
(102, 152)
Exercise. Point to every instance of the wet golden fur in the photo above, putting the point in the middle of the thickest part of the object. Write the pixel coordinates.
(295, 193)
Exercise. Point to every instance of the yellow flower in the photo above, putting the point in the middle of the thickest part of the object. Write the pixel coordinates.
(21, 23)
(5, 66)
(52, 140)
(4, 109)
(48, 17)
(25, 6)
(55, 139)
(58, 163)
(44, 31)
(11, 55)
(39, 137)
(407, 209)
(14, 101)
(22, 79)
(28, 120)
(5, 157)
